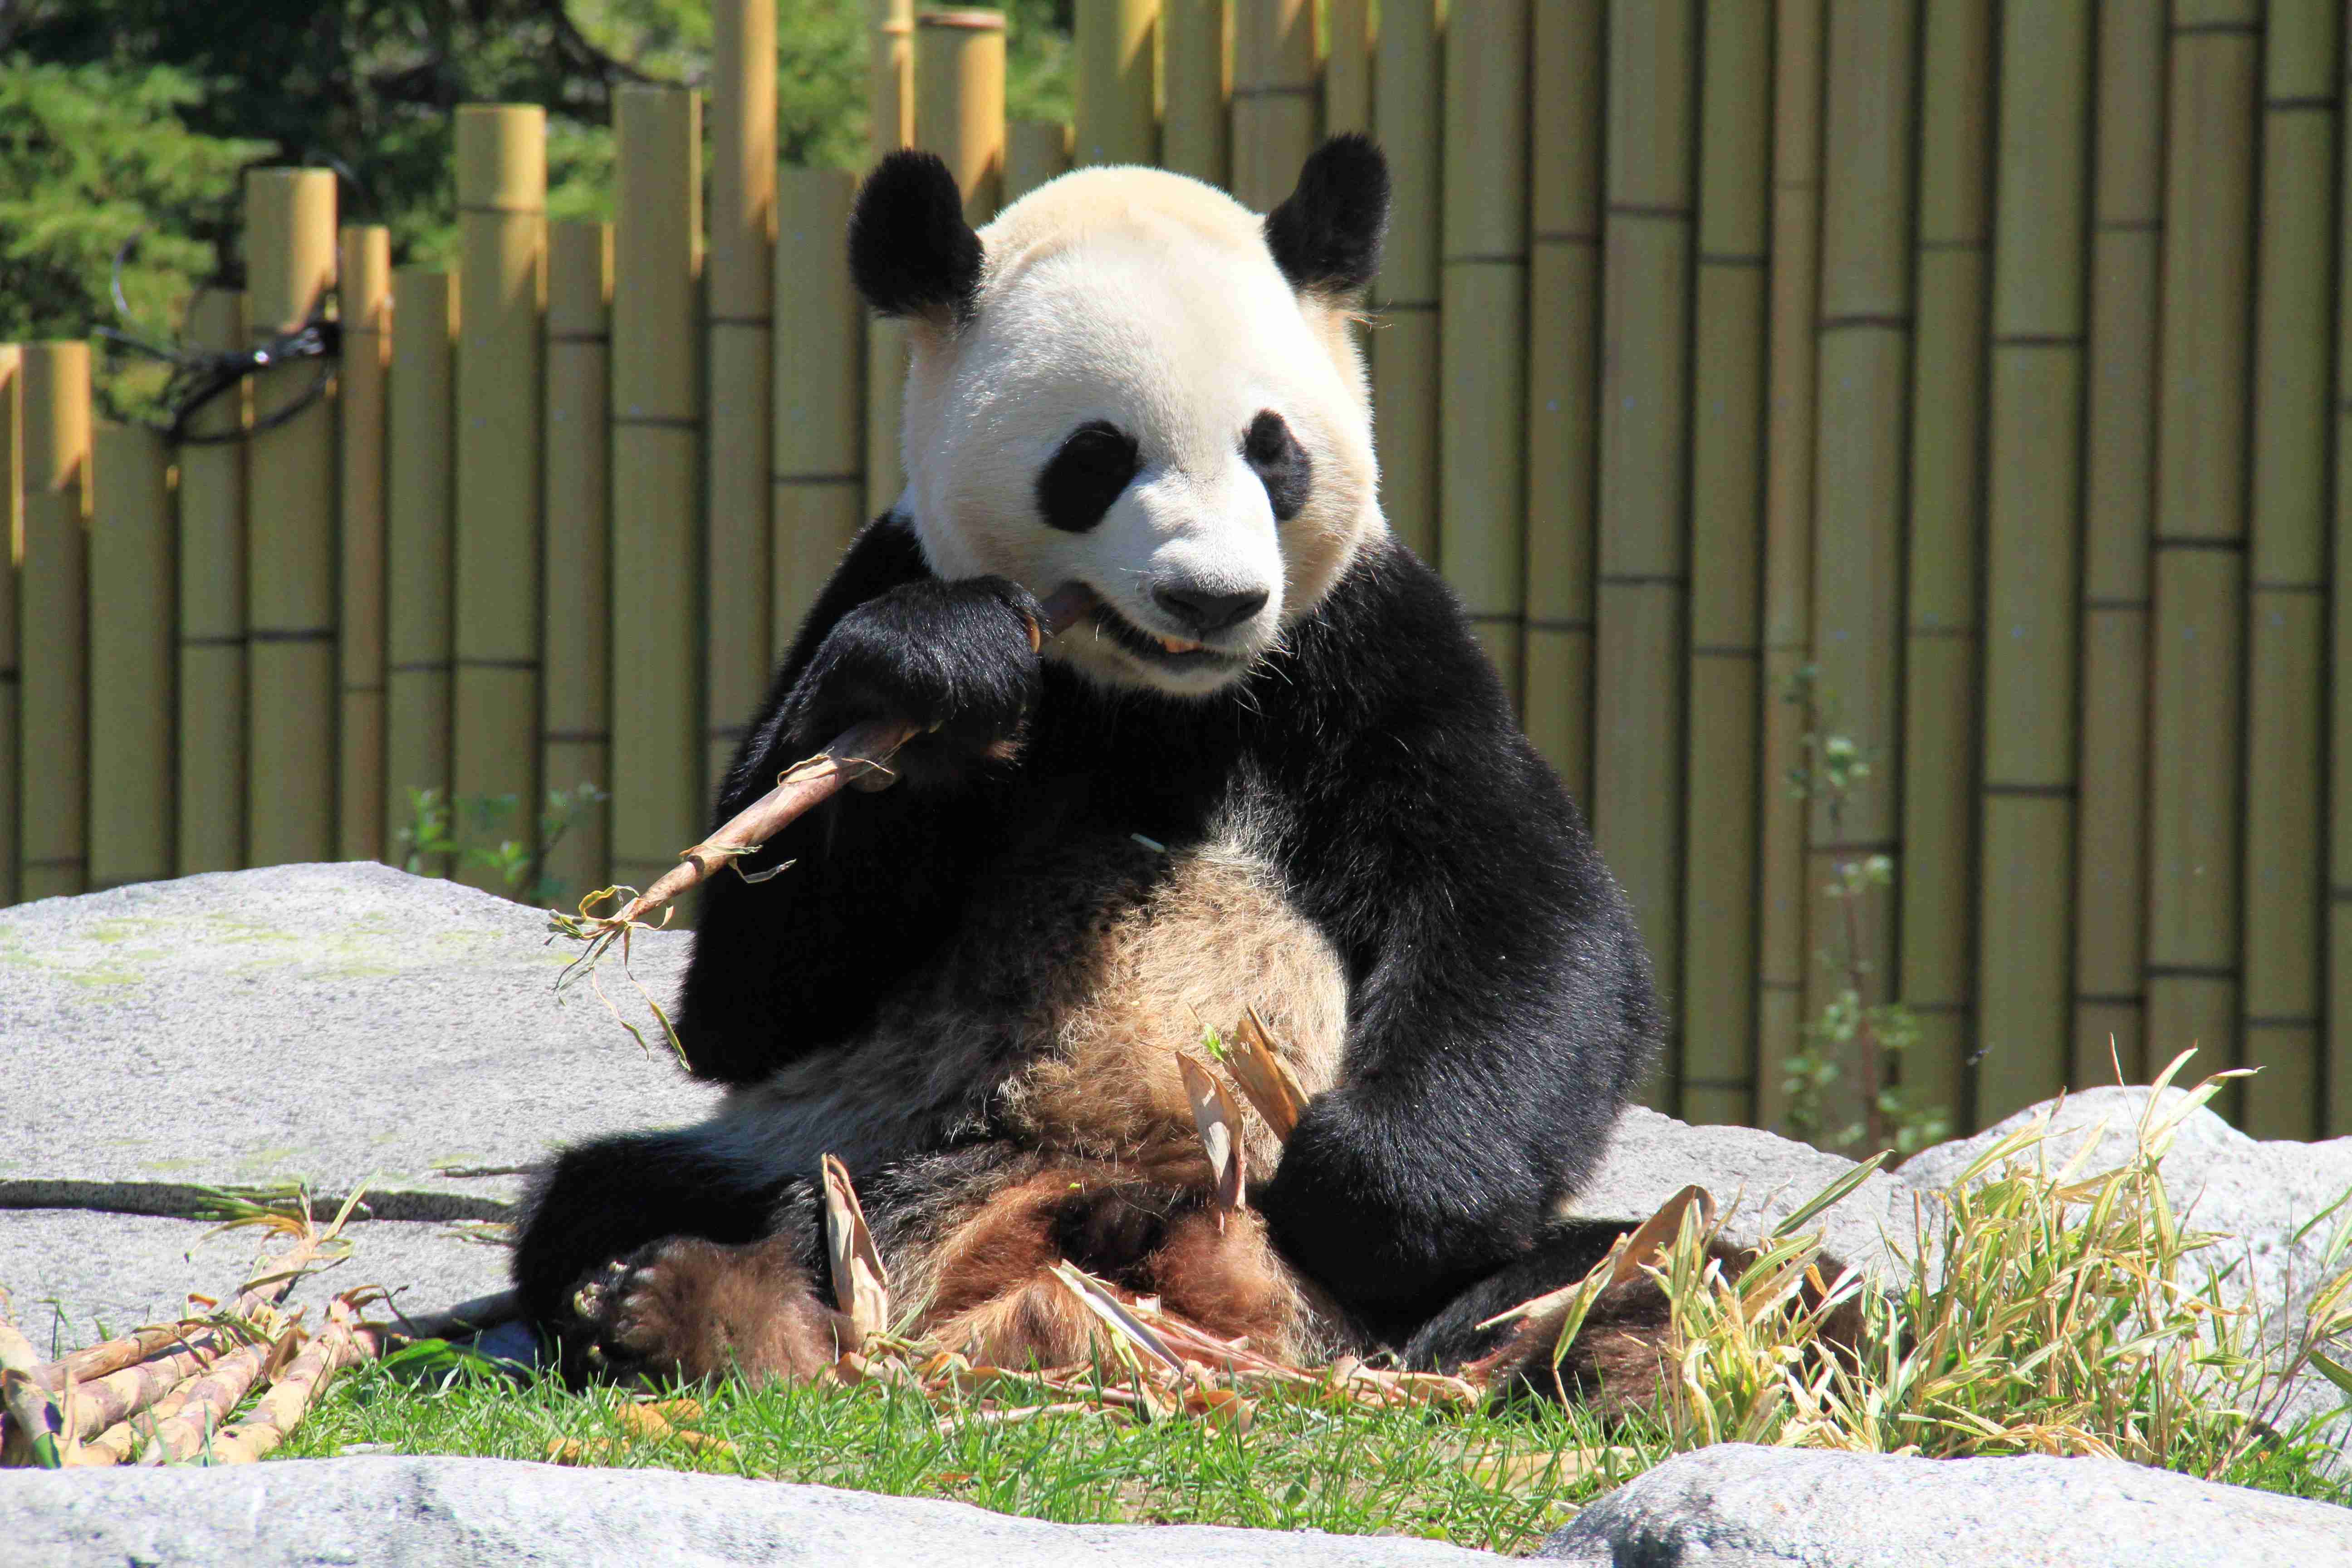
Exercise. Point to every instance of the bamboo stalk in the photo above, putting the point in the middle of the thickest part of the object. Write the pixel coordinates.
(102, 1403)
(204, 1406)
(290, 1397)
(891, 74)
(1792, 383)
(54, 798)
(212, 655)
(291, 750)
(12, 559)
(1196, 82)
(1274, 97)
(1348, 55)
(1408, 102)
(2286, 825)
(131, 700)
(742, 274)
(2119, 492)
(960, 102)
(1036, 151)
(893, 91)
(2338, 1106)
(575, 635)
(1118, 115)
(1563, 382)
(1717, 965)
(418, 551)
(819, 497)
(657, 424)
(1938, 899)
(364, 288)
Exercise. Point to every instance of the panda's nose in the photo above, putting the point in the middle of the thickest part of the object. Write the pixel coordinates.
(1203, 610)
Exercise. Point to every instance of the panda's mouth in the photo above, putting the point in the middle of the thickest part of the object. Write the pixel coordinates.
(1150, 648)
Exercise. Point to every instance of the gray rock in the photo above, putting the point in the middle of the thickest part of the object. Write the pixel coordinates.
(392, 1513)
(318, 1023)
(1738, 1506)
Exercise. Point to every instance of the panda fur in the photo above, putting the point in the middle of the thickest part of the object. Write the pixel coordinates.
(1272, 770)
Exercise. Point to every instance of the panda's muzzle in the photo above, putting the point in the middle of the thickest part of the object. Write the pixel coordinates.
(1158, 650)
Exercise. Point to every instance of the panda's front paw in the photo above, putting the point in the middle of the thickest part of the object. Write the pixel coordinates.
(956, 662)
(688, 1309)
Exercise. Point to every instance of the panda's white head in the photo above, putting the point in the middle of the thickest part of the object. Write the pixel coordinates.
(1130, 381)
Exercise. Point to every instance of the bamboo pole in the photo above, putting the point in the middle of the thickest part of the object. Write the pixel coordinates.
(1481, 374)
(657, 793)
(1861, 442)
(1118, 114)
(960, 102)
(1642, 598)
(2286, 845)
(575, 635)
(1726, 467)
(2338, 1104)
(2195, 737)
(1781, 950)
(130, 698)
(1274, 97)
(893, 91)
(1409, 93)
(290, 659)
(12, 560)
(1196, 80)
(418, 551)
(819, 490)
(210, 834)
(495, 694)
(2033, 533)
(1348, 55)
(2118, 493)
(1036, 151)
(741, 277)
(1563, 381)
(365, 291)
(54, 643)
(1938, 899)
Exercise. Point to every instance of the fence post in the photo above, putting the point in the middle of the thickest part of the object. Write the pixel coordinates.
(54, 640)
(1721, 779)
(2288, 674)
(893, 95)
(290, 227)
(1407, 107)
(2338, 1105)
(657, 793)
(419, 549)
(1349, 50)
(1275, 111)
(1118, 111)
(210, 833)
(960, 102)
(12, 560)
(366, 298)
(1196, 82)
(502, 219)
(820, 485)
(1036, 151)
(130, 699)
(576, 745)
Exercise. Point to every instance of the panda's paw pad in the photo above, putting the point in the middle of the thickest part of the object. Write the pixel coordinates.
(649, 1313)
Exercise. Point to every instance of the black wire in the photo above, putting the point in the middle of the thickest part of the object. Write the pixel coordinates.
(199, 377)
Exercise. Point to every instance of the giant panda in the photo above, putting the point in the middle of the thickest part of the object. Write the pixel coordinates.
(1272, 769)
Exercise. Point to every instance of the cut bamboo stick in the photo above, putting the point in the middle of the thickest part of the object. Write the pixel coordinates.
(131, 699)
(1642, 598)
(12, 560)
(1348, 55)
(1718, 895)
(54, 644)
(290, 1398)
(2032, 529)
(1781, 950)
(1196, 79)
(2195, 741)
(494, 715)
(1860, 443)
(291, 751)
(203, 1407)
(741, 275)
(2285, 891)
(657, 793)
(820, 484)
(419, 548)
(2118, 491)
(1938, 899)
(364, 288)
(1563, 381)
(1036, 151)
(1118, 113)
(1274, 97)
(575, 635)
(1481, 375)
(211, 791)
(1407, 105)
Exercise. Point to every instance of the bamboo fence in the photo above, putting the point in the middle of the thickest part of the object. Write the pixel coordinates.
(1973, 372)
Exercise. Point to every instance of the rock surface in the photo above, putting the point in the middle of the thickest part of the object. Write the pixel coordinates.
(1738, 1506)
(393, 1512)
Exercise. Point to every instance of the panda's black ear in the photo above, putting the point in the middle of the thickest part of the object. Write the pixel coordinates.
(1325, 234)
(910, 250)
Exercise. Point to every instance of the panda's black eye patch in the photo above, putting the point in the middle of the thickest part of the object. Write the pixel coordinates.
(1281, 463)
(1093, 466)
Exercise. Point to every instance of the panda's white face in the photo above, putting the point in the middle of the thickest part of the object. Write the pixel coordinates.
(1141, 403)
